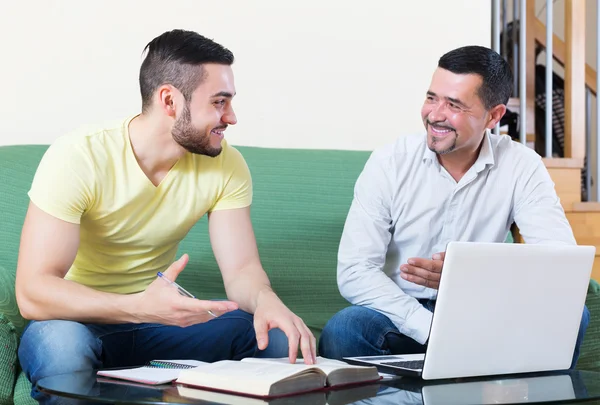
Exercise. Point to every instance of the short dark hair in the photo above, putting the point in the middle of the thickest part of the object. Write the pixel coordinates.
(173, 58)
(495, 72)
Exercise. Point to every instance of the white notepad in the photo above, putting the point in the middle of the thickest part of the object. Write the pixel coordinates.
(153, 373)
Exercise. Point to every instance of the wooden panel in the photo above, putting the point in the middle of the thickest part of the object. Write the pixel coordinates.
(590, 206)
(586, 228)
(572, 163)
(596, 269)
(585, 225)
(558, 52)
(575, 78)
(589, 242)
(530, 66)
(567, 183)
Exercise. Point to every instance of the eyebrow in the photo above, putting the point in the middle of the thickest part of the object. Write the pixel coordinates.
(223, 94)
(454, 100)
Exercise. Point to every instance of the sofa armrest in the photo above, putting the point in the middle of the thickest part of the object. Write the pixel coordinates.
(8, 300)
(8, 360)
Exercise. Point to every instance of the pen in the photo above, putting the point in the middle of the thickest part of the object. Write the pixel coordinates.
(181, 290)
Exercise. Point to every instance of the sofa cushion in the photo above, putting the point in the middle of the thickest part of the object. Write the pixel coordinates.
(23, 391)
(8, 360)
(588, 357)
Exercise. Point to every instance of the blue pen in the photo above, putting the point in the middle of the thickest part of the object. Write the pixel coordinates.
(181, 290)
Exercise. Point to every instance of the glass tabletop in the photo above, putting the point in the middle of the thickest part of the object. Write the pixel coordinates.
(559, 387)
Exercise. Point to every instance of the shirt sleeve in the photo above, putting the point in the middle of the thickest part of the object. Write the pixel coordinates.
(237, 188)
(362, 253)
(63, 182)
(538, 212)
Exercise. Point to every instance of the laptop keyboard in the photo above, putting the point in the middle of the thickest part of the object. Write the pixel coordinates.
(411, 365)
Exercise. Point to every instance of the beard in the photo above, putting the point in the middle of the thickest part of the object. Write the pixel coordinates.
(191, 138)
(435, 141)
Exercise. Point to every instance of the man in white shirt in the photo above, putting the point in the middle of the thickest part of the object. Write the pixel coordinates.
(459, 183)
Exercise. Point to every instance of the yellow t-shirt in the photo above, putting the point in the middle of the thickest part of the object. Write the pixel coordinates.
(129, 228)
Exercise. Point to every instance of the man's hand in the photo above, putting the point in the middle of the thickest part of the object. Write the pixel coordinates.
(272, 313)
(426, 272)
(162, 303)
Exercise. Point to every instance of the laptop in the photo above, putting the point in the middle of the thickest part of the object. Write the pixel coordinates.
(502, 308)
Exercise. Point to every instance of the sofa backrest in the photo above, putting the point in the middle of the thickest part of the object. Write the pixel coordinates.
(301, 198)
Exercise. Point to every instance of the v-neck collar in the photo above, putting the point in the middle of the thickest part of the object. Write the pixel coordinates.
(130, 155)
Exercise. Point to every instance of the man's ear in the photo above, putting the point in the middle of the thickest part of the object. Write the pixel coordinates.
(496, 114)
(166, 98)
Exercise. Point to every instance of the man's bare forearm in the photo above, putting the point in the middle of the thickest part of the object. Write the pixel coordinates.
(248, 286)
(49, 297)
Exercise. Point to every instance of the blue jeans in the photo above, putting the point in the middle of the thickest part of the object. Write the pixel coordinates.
(58, 347)
(360, 331)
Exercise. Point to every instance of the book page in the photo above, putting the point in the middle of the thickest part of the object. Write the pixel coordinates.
(327, 365)
(322, 362)
(285, 360)
(338, 372)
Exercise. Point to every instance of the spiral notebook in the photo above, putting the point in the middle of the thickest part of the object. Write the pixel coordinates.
(154, 372)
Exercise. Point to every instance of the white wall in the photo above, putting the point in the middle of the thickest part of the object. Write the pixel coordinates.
(343, 74)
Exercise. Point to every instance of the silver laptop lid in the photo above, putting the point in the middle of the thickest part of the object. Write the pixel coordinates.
(507, 308)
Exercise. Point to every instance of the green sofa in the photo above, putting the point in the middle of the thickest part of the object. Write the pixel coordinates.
(301, 198)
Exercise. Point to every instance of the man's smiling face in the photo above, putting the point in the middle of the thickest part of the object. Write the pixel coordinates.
(453, 112)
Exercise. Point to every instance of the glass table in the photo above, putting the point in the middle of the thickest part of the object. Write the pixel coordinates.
(555, 387)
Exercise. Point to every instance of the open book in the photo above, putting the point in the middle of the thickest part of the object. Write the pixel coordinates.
(267, 378)
(154, 372)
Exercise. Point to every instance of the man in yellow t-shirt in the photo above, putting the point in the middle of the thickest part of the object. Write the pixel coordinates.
(108, 209)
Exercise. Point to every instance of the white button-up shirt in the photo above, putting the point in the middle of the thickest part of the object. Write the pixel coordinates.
(407, 205)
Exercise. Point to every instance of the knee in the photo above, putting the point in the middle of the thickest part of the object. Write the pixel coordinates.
(239, 323)
(344, 329)
(58, 347)
(278, 345)
(244, 327)
(240, 328)
(585, 319)
(346, 322)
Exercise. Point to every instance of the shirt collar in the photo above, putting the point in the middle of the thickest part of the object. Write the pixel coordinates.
(486, 154)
